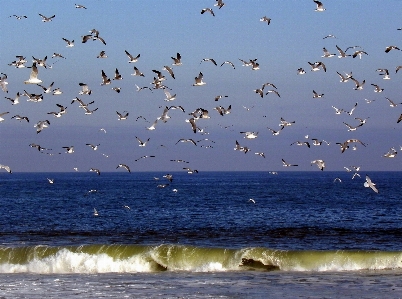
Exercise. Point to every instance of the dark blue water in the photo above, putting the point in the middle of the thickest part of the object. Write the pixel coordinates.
(292, 210)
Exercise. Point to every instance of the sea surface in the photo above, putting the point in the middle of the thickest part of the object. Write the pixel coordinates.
(303, 235)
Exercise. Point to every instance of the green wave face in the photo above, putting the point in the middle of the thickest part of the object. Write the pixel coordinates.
(137, 258)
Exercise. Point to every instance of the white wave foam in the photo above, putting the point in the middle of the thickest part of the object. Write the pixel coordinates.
(65, 261)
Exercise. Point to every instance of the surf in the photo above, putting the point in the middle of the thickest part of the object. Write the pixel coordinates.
(103, 258)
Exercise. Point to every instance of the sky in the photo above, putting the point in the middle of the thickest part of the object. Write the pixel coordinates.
(157, 31)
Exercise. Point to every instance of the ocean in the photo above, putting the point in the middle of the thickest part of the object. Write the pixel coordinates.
(303, 235)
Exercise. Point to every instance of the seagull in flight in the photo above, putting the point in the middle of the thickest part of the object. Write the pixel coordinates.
(368, 183)
(7, 168)
(124, 166)
(285, 164)
(132, 59)
(320, 164)
(142, 143)
(46, 19)
(265, 19)
(320, 6)
(208, 10)
(33, 77)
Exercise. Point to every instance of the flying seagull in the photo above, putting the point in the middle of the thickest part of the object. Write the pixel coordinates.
(320, 6)
(7, 168)
(33, 77)
(369, 183)
(131, 57)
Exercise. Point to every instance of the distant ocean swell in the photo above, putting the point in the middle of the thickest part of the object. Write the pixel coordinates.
(136, 258)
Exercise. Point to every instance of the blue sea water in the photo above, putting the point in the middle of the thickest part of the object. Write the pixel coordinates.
(306, 235)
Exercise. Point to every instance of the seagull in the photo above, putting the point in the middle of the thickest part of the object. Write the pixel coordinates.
(69, 149)
(102, 54)
(329, 36)
(198, 80)
(51, 181)
(377, 88)
(20, 63)
(389, 48)
(95, 170)
(343, 78)
(265, 19)
(41, 125)
(117, 75)
(122, 116)
(190, 171)
(1, 114)
(275, 133)
(301, 71)
(360, 53)
(320, 7)
(273, 91)
(169, 70)
(342, 54)
(359, 86)
(96, 212)
(209, 59)
(186, 140)
(250, 135)
(252, 200)
(85, 89)
(385, 73)
(391, 153)
(345, 145)
(337, 180)
(3, 83)
(260, 154)
(392, 103)
(320, 164)
(301, 143)
(141, 142)
(19, 17)
(337, 110)
(327, 54)
(18, 117)
(94, 147)
(131, 57)
(228, 62)
(46, 19)
(208, 10)
(169, 97)
(105, 79)
(124, 166)
(33, 78)
(70, 44)
(14, 101)
(137, 72)
(285, 164)
(152, 127)
(177, 60)
(7, 168)
(369, 183)
(40, 62)
(168, 177)
(350, 128)
(316, 66)
(57, 91)
(351, 110)
(316, 95)
(219, 3)
(80, 6)
(285, 123)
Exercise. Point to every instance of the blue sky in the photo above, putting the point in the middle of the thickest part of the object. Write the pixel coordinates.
(294, 37)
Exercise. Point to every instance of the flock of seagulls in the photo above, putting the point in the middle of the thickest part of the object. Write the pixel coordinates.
(198, 119)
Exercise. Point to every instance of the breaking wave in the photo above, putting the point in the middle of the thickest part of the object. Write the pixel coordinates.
(137, 258)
